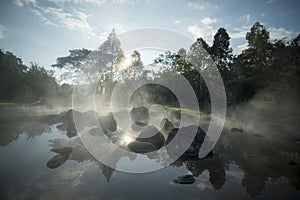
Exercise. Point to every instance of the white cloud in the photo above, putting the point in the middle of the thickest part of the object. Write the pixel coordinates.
(73, 21)
(56, 16)
(208, 20)
(240, 32)
(205, 31)
(22, 3)
(245, 18)
(43, 19)
(177, 21)
(238, 49)
(95, 2)
(270, 1)
(201, 6)
(2, 32)
(281, 33)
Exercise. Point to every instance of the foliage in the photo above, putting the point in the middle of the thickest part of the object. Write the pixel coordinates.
(19, 83)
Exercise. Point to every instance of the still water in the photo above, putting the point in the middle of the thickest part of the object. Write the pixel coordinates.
(262, 162)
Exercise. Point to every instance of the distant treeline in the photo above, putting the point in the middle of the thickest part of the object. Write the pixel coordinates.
(269, 68)
(22, 84)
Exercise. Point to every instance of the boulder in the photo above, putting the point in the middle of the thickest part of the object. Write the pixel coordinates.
(138, 126)
(63, 150)
(141, 147)
(57, 161)
(194, 142)
(140, 114)
(185, 179)
(237, 130)
(108, 122)
(150, 134)
(167, 126)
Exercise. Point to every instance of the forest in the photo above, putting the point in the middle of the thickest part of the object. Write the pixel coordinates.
(266, 68)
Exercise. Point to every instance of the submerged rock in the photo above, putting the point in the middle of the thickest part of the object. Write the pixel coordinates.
(74, 121)
(151, 135)
(138, 126)
(63, 150)
(189, 144)
(237, 130)
(292, 162)
(185, 179)
(57, 161)
(108, 122)
(140, 114)
(167, 126)
(141, 147)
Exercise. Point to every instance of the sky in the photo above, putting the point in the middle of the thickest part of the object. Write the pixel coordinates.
(40, 31)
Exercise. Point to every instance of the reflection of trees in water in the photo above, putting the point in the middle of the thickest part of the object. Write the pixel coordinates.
(263, 159)
(11, 130)
(80, 154)
(215, 166)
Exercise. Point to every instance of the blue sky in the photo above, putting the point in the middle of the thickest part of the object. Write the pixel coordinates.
(41, 31)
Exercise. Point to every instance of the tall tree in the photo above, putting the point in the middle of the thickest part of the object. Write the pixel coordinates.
(92, 65)
(221, 51)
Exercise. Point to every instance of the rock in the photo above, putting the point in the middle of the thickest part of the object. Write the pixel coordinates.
(249, 155)
(67, 118)
(141, 147)
(138, 126)
(140, 114)
(151, 135)
(57, 161)
(292, 162)
(95, 131)
(167, 126)
(63, 150)
(191, 141)
(185, 179)
(258, 135)
(108, 122)
(87, 119)
(237, 130)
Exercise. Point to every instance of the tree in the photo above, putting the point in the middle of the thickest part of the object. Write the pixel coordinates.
(258, 36)
(129, 68)
(221, 51)
(90, 66)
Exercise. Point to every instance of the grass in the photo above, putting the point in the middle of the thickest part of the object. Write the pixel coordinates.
(185, 111)
(2, 104)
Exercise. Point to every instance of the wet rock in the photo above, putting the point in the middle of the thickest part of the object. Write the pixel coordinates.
(57, 161)
(61, 127)
(138, 126)
(292, 162)
(108, 122)
(141, 147)
(74, 121)
(167, 126)
(95, 131)
(185, 179)
(67, 118)
(251, 155)
(258, 135)
(140, 114)
(189, 143)
(151, 135)
(237, 130)
(63, 150)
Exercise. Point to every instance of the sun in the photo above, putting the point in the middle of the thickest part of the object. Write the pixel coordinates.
(125, 64)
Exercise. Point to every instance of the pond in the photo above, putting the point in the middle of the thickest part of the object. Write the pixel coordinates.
(261, 164)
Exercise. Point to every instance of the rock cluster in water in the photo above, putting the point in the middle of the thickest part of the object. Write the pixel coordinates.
(179, 142)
